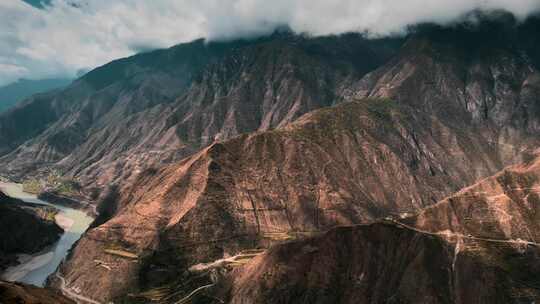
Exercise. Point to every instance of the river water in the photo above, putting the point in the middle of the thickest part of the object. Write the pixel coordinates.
(36, 268)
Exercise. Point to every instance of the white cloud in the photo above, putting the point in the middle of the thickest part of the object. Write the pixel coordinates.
(70, 35)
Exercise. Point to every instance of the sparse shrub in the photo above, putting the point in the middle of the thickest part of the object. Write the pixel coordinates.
(33, 186)
(382, 108)
(54, 181)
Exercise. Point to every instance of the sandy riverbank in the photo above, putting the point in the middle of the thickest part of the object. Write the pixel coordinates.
(34, 269)
(28, 263)
(65, 222)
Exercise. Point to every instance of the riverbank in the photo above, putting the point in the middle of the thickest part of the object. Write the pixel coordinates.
(22, 264)
(25, 228)
(78, 202)
(27, 264)
(35, 268)
(63, 221)
(75, 200)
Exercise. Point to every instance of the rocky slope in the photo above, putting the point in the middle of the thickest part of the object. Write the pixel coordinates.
(441, 117)
(504, 206)
(26, 294)
(348, 164)
(382, 263)
(161, 106)
(483, 77)
(476, 246)
(24, 228)
(481, 247)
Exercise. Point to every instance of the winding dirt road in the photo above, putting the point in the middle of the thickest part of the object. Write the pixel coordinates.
(462, 236)
(72, 295)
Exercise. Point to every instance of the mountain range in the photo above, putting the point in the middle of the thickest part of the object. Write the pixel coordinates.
(295, 169)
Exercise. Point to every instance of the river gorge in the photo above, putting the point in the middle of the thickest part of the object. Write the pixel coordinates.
(35, 269)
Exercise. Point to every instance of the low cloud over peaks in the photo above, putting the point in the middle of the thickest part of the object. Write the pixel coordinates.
(60, 37)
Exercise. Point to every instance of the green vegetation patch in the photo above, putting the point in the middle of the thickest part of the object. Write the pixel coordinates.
(33, 186)
(55, 182)
(365, 114)
(382, 108)
(50, 214)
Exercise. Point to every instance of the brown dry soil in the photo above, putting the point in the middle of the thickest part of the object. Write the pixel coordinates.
(14, 293)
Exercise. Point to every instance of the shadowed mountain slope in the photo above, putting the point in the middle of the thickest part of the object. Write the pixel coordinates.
(382, 263)
(27, 294)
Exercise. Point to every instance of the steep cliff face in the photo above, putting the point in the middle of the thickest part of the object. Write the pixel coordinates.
(158, 107)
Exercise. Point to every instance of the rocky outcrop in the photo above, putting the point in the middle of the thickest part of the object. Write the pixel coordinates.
(27, 294)
(24, 228)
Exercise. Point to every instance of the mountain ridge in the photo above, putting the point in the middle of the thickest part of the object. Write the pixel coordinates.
(210, 108)
(17, 91)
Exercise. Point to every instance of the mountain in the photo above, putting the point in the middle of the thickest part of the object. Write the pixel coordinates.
(503, 206)
(202, 156)
(15, 92)
(436, 116)
(382, 263)
(161, 106)
(349, 164)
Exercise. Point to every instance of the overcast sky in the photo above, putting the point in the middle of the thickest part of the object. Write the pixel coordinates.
(66, 36)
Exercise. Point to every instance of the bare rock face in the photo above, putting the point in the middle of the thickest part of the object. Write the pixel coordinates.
(27, 294)
(476, 246)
